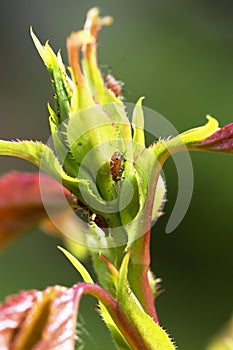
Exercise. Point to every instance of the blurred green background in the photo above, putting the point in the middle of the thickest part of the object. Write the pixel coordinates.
(179, 54)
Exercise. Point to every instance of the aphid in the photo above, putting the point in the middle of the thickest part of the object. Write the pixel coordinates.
(73, 201)
(102, 223)
(116, 166)
(114, 85)
(80, 209)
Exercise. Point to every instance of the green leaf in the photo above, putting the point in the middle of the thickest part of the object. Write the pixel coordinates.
(76, 263)
(138, 125)
(110, 103)
(79, 250)
(164, 148)
(88, 129)
(60, 81)
(59, 142)
(200, 133)
(153, 336)
(93, 138)
(43, 157)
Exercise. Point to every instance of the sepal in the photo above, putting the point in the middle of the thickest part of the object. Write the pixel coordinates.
(220, 141)
(61, 83)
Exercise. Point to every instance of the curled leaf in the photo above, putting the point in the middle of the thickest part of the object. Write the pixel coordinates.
(39, 320)
(186, 140)
(201, 132)
(91, 70)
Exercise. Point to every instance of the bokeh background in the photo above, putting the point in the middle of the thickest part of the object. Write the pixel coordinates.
(179, 54)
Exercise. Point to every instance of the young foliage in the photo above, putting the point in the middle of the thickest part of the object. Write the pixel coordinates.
(111, 181)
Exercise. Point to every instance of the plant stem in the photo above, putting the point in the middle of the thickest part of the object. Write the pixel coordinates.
(138, 275)
(131, 334)
(140, 254)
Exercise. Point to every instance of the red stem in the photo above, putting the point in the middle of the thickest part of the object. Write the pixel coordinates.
(131, 334)
(140, 255)
(139, 273)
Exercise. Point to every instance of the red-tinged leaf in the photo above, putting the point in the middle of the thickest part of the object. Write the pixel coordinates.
(21, 206)
(12, 313)
(40, 320)
(220, 141)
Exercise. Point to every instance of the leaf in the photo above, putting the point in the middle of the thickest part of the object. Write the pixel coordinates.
(91, 128)
(61, 149)
(40, 155)
(60, 81)
(138, 125)
(93, 138)
(92, 72)
(39, 320)
(104, 96)
(82, 97)
(75, 262)
(224, 340)
(162, 149)
(43, 157)
(21, 206)
(220, 141)
(200, 133)
(153, 336)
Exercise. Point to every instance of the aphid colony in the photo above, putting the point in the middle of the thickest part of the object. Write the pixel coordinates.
(82, 211)
(86, 215)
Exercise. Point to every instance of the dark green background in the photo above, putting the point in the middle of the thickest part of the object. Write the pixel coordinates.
(179, 54)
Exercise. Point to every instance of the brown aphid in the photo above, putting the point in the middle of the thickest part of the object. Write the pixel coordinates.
(116, 165)
(102, 223)
(113, 85)
(73, 201)
(79, 208)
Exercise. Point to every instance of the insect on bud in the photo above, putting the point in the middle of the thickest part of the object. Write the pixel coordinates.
(114, 85)
(116, 166)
